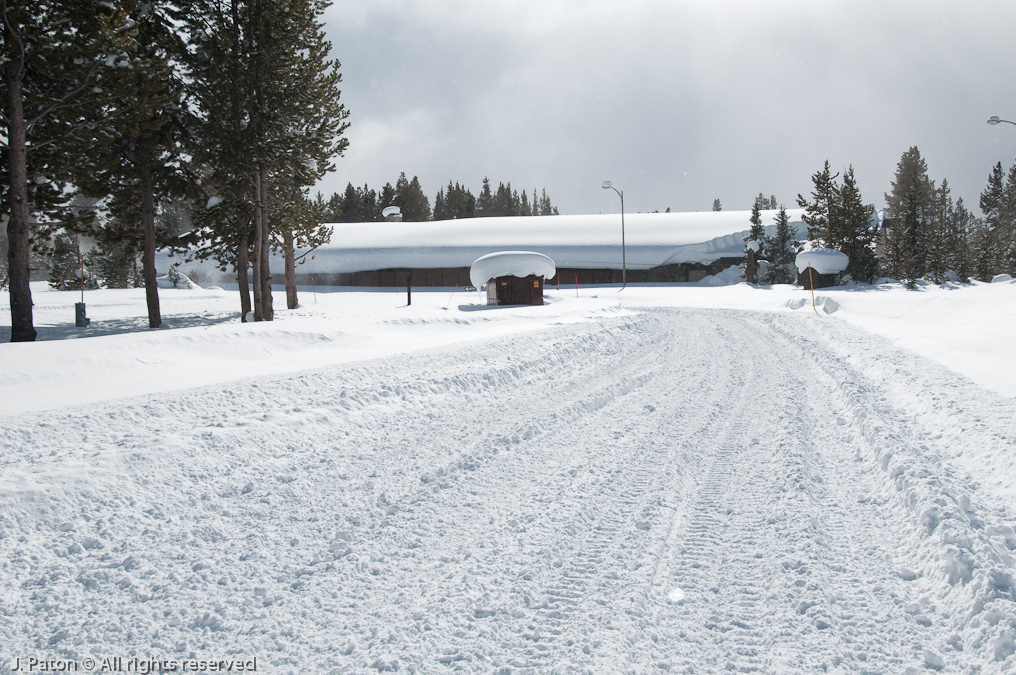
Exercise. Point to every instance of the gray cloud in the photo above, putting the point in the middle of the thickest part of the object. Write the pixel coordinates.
(678, 103)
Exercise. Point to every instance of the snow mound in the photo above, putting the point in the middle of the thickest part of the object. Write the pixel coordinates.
(822, 260)
(177, 280)
(823, 304)
(510, 263)
(728, 277)
(999, 278)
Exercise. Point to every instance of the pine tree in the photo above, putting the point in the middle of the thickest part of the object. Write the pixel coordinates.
(754, 242)
(460, 203)
(299, 227)
(856, 228)
(350, 209)
(115, 265)
(781, 250)
(1007, 234)
(717, 206)
(546, 208)
(143, 162)
(54, 68)
(411, 200)
(3, 258)
(961, 227)
(820, 213)
(939, 248)
(983, 251)
(269, 99)
(506, 203)
(909, 207)
(757, 232)
(64, 263)
(997, 238)
(485, 200)
(440, 211)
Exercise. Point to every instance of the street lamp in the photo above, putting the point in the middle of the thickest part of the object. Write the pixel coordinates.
(624, 266)
(995, 119)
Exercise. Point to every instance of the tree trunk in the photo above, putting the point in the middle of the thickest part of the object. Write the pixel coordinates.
(287, 247)
(18, 239)
(266, 243)
(242, 261)
(259, 314)
(148, 223)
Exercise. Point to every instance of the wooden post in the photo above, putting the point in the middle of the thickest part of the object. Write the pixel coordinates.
(811, 282)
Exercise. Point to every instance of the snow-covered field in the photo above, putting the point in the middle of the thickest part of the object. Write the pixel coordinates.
(661, 479)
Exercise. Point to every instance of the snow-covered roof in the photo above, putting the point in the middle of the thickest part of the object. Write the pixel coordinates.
(590, 241)
(822, 260)
(510, 263)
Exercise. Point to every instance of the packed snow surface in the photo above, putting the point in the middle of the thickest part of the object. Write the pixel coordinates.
(510, 263)
(822, 260)
(683, 479)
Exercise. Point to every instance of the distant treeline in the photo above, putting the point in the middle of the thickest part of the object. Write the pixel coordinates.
(364, 205)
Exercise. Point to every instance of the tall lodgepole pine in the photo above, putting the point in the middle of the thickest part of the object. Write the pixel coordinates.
(266, 242)
(259, 233)
(148, 226)
(18, 236)
(51, 77)
(242, 264)
(290, 260)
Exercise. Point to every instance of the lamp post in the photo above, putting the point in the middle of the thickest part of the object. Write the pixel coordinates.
(995, 119)
(624, 265)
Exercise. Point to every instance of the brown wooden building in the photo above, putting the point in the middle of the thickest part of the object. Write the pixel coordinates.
(511, 290)
(459, 276)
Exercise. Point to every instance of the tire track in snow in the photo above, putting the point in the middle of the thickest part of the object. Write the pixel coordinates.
(767, 577)
(425, 513)
(954, 553)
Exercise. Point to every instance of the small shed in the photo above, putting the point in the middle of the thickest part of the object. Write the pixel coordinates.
(512, 277)
(826, 267)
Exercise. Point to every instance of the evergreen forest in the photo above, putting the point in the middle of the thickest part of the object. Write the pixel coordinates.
(923, 232)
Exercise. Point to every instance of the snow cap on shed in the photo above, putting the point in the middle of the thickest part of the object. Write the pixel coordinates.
(822, 261)
(510, 263)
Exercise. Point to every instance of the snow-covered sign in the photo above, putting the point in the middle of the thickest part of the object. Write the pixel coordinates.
(822, 260)
(510, 263)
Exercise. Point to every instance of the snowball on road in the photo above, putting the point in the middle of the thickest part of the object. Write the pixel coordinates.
(677, 479)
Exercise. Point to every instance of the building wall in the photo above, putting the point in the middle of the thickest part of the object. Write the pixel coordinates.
(821, 280)
(459, 276)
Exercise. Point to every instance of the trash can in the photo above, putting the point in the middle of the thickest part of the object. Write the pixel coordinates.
(80, 320)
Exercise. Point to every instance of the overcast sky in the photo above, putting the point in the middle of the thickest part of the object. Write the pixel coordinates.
(677, 103)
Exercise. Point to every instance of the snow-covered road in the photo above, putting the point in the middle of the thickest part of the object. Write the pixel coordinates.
(669, 490)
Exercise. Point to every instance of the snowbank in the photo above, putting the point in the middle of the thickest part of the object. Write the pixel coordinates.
(510, 263)
(822, 260)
